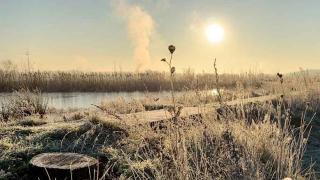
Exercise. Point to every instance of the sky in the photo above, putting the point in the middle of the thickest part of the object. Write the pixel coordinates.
(265, 36)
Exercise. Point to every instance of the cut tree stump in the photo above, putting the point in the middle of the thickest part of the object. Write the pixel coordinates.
(63, 166)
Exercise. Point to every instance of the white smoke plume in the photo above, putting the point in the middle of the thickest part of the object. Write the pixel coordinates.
(140, 26)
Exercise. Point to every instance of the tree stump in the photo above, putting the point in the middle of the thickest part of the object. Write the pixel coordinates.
(63, 166)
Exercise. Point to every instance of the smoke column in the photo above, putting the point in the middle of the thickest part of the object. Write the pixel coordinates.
(140, 27)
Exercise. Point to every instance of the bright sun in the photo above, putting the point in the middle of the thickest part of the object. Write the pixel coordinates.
(215, 33)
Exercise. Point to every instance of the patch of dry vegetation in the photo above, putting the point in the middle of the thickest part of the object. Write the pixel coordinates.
(12, 79)
(122, 106)
(212, 148)
(251, 141)
(23, 103)
(188, 149)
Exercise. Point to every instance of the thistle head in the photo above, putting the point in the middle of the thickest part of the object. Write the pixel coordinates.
(173, 69)
(163, 59)
(172, 48)
(279, 75)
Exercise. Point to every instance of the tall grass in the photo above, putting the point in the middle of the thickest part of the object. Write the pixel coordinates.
(258, 144)
(23, 103)
(210, 148)
(254, 141)
(48, 81)
(251, 146)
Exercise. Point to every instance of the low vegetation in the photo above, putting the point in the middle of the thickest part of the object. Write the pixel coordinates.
(266, 140)
(261, 141)
(23, 103)
(11, 79)
(225, 146)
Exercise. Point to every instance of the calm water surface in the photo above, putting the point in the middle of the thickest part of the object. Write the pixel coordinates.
(85, 99)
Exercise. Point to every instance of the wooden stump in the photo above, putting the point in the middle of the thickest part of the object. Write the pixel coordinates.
(63, 166)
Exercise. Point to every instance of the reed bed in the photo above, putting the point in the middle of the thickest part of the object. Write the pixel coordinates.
(152, 81)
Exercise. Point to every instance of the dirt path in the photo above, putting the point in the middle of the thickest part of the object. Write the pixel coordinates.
(159, 115)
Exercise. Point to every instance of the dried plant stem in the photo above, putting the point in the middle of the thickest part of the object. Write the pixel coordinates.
(217, 81)
(172, 84)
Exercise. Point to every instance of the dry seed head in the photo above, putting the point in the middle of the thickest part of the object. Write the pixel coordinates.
(163, 59)
(173, 69)
(172, 48)
(279, 75)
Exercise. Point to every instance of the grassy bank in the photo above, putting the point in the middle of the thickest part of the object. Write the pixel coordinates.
(266, 141)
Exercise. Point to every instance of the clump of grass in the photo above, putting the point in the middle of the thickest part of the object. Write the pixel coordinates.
(280, 149)
(121, 166)
(5, 112)
(24, 103)
(74, 116)
(237, 150)
(30, 122)
(121, 106)
(112, 126)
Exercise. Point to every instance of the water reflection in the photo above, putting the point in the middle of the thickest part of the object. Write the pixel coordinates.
(85, 99)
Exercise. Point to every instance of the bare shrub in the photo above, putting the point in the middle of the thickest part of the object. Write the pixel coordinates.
(24, 103)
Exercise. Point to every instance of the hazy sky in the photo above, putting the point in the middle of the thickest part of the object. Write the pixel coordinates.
(101, 35)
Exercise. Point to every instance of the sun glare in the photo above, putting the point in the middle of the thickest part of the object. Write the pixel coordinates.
(214, 33)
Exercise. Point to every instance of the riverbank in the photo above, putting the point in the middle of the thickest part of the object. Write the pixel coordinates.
(255, 146)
